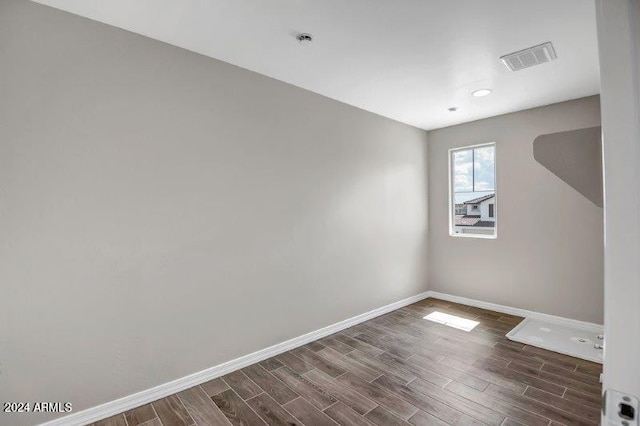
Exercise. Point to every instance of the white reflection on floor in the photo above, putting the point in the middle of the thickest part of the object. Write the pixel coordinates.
(452, 321)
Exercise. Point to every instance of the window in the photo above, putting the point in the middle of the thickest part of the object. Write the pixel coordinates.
(472, 183)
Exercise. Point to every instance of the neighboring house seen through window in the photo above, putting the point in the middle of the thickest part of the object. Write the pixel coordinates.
(472, 183)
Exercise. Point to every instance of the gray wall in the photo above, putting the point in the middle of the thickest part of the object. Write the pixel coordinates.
(575, 156)
(548, 256)
(162, 212)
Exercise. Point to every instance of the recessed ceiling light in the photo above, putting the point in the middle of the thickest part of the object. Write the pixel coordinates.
(482, 92)
(453, 109)
(304, 38)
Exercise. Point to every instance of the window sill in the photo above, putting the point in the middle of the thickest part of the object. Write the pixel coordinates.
(480, 236)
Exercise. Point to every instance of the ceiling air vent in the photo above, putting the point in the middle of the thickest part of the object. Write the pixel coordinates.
(529, 57)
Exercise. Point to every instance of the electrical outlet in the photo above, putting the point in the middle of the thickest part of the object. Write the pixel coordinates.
(620, 409)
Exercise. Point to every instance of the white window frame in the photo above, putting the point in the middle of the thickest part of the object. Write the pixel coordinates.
(452, 207)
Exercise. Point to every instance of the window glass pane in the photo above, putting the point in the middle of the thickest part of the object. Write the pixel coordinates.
(463, 171)
(484, 168)
(473, 192)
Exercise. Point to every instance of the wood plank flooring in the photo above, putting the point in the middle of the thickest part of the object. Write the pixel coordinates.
(397, 369)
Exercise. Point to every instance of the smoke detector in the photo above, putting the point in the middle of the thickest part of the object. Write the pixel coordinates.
(529, 57)
(304, 38)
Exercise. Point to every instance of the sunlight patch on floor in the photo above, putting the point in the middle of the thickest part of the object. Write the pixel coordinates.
(452, 321)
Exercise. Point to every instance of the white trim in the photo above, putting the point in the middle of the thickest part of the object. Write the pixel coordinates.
(589, 326)
(129, 402)
(472, 235)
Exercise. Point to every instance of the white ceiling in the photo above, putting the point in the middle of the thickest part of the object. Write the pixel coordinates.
(409, 60)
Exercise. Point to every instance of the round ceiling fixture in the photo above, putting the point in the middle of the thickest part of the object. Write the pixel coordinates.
(304, 38)
(481, 93)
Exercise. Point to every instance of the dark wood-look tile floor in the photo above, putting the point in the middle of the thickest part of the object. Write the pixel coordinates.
(397, 369)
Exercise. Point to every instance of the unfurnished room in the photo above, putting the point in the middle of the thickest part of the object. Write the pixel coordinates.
(319, 212)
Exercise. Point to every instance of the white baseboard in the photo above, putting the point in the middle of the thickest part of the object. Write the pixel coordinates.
(597, 328)
(129, 402)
